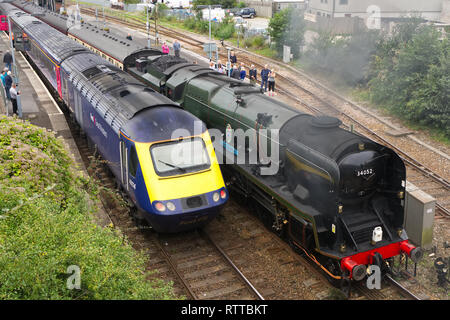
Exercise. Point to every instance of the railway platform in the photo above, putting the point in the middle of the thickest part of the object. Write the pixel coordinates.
(40, 109)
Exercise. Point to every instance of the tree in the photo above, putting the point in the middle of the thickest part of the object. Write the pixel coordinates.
(287, 27)
(410, 75)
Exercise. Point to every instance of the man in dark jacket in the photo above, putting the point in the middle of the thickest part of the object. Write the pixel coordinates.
(7, 59)
(253, 74)
(264, 77)
(236, 74)
(233, 58)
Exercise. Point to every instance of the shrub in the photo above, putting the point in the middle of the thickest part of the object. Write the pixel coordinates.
(224, 31)
(46, 225)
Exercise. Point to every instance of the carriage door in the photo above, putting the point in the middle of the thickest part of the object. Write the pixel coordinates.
(77, 107)
(124, 165)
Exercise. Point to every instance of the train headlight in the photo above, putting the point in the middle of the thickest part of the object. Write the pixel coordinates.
(216, 196)
(160, 206)
(223, 194)
(171, 206)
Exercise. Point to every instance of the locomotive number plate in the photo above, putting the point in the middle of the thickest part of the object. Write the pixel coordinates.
(364, 172)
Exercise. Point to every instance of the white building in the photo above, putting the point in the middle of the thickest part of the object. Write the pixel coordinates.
(279, 5)
(384, 9)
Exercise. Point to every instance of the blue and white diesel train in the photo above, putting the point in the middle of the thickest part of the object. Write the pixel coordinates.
(174, 181)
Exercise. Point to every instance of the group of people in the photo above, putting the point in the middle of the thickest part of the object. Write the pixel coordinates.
(268, 78)
(176, 48)
(239, 72)
(7, 81)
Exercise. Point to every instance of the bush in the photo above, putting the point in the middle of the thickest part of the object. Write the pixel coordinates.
(46, 225)
(190, 23)
(258, 41)
(410, 76)
(224, 31)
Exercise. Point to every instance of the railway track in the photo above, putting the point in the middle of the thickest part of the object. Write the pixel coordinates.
(196, 283)
(191, 260)
(440, 187)
(418, 173)
(203, 265)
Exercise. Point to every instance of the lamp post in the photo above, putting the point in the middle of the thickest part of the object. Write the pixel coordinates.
(209, 10)
(104, 18)
(148, 30)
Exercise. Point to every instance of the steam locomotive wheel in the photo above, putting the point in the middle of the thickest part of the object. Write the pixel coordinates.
(334, 268)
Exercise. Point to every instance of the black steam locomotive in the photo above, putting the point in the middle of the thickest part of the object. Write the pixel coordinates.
(336, 195)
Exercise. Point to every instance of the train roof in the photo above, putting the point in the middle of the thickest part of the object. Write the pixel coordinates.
(118, 97)
(109, 43)
(58, 45)
(112, 44)
(6, 8)
(59, 22)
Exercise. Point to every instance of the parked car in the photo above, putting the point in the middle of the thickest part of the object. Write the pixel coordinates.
(246, 13)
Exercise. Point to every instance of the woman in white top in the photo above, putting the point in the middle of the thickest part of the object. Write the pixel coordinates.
(271, 82)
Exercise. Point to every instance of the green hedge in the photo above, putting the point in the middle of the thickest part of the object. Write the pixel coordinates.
(46, 225)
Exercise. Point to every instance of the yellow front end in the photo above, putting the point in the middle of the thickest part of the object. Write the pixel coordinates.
(182, 185)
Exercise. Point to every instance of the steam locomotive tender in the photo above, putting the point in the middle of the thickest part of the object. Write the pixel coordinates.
(132, 127)
(337, 196)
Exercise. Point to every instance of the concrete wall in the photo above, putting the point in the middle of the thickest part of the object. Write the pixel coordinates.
(263, 7)
(445, 15)
(278, 6)
(337, 25)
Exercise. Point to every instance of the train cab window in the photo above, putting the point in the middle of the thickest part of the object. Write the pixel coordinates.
(179, 157)
(133, 163)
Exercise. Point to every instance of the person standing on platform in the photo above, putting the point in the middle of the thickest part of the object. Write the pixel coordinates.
(129, 37)
(3, 75)
(271, 81)
(219, 66)
(13, 94)
(8, 84)
(235, 73)
(7, 59)
(165, 48)
(243, 73)
(233, 58)
(253, 74)
(264, 77)
(177, 48)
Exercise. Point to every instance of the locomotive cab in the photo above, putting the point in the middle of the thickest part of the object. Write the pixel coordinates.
(177, 182)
